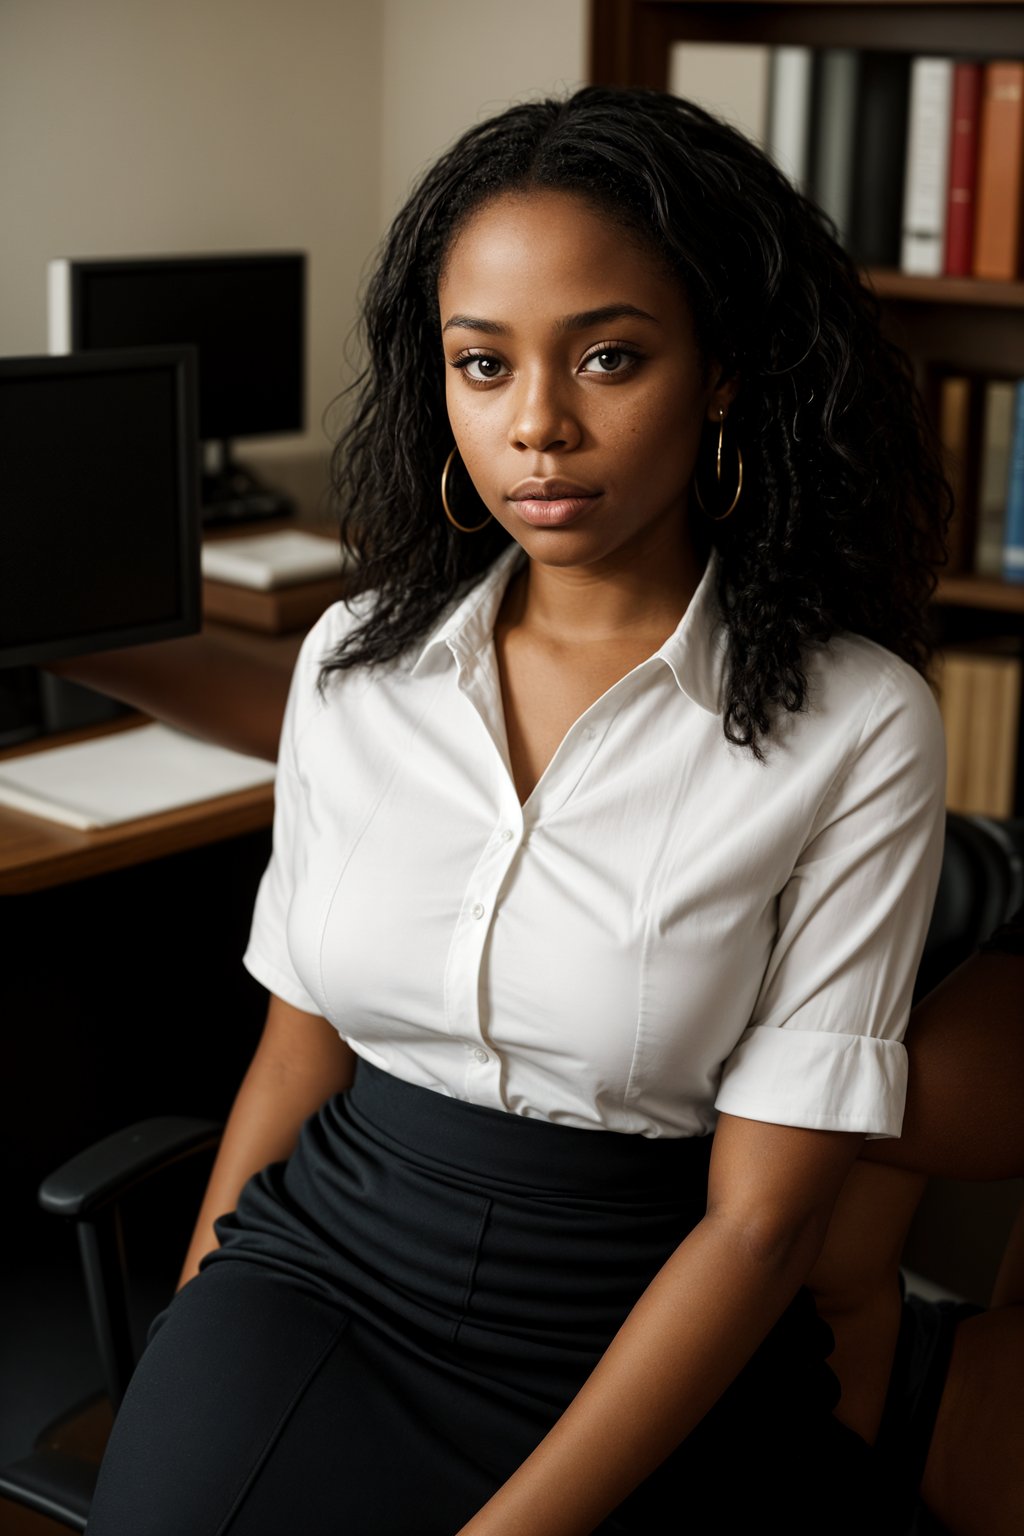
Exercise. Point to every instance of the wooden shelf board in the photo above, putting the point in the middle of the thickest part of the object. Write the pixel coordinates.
(889, 284)
(980, 592)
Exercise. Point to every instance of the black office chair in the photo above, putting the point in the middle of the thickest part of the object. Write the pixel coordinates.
(58, 1477)
(982, 882)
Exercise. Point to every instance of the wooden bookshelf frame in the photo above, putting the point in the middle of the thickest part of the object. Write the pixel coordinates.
(630, 39)
(942, 322)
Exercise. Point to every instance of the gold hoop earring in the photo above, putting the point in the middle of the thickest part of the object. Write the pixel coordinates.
(720, 517)
(444, 500)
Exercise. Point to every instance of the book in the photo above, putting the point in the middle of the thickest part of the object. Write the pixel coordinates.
(833, 134)
(126, 775)
(997, 433)
(879, 164)
(1013, 537)
(997, 224)
(282, 611)
(265, 561)
(926, 177)
(960, 430)
(729, 79)
(963, 170)
(954, 708)
(791, 75)
(995, 703)
(979, 702)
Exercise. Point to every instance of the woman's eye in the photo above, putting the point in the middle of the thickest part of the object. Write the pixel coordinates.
(481, 368)
(608, 360)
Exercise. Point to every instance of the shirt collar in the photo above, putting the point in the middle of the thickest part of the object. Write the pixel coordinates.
(696, 649)
(694, 652)
(469, 625)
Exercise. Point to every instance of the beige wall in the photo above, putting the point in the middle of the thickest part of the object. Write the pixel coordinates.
(450, 63)
(138, 126)
(149, 126)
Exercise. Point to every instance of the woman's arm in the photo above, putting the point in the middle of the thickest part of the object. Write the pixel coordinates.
(299, 1063)
(771, 1192)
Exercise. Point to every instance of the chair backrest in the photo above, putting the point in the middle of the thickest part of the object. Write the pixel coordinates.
(981, 884)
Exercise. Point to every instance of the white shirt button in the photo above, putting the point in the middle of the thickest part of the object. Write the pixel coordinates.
(478, 910)
(507, 835)
(481, 1056)
(589, 732)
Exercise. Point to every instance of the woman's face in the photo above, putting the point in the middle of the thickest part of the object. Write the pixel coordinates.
(575, 390)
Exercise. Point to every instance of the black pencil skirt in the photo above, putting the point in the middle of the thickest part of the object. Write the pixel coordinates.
(399, 1312)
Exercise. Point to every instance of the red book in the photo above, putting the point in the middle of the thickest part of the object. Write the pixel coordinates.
(997, 225)
(963, 170)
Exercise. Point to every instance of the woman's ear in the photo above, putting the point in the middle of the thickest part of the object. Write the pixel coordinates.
(724, 389)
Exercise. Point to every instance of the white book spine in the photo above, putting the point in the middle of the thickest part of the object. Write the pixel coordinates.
(789, 113)
(58, 307)
(927, 167)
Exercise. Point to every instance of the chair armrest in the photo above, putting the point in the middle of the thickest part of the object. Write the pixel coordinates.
(107, 1170)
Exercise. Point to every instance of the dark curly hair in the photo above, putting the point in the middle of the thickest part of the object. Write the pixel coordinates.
(844, 507)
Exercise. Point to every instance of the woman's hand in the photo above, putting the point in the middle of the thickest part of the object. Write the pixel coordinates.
(771, 1192)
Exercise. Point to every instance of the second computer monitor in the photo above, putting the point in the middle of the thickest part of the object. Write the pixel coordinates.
(244, 313)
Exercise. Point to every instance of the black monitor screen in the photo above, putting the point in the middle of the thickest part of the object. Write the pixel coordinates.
(99, 542)
(245, 315)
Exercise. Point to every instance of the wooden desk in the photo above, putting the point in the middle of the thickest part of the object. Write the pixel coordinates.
(36, 854)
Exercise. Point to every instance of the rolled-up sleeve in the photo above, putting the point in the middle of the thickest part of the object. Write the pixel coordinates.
(824, 1045)
(267, 956)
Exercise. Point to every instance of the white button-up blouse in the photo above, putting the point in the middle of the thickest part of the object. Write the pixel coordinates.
(665, 929)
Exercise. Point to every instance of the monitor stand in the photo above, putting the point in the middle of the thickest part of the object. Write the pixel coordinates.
(232, 494)
(35, 703)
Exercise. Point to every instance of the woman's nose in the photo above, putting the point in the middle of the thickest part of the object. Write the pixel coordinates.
(542, 419)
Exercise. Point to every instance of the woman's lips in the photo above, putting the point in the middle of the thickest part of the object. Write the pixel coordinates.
(552, 514)
(551, 504)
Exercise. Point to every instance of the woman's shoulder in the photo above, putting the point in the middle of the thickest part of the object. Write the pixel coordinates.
(309, 693)
(870, 688)
(870, 720)
(332, 629)
(338, 621)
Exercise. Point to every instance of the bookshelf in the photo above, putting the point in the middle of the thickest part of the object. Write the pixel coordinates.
(960, 325)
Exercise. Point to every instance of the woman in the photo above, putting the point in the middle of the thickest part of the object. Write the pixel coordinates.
(608, 818)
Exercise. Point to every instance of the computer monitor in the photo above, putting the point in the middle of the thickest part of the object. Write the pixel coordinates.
(99, 526)
(246, 316)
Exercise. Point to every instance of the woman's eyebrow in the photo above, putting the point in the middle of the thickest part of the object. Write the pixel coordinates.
(578, 322)
(589, 317)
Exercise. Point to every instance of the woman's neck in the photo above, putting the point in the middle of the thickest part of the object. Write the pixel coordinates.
(586, 605)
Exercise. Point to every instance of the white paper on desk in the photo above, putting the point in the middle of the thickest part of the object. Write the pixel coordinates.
(125, 775)
(269, 560)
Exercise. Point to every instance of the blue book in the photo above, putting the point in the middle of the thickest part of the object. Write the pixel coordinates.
(1013, 539)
